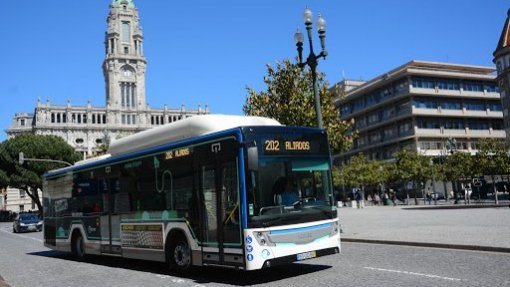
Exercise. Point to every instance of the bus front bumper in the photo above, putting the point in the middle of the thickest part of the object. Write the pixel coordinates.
(299, 257)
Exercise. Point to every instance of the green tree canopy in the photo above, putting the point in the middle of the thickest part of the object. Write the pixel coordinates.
(411, 166)
(359, 172)
(491, 159)
(28, 176)
(458, 166)
(289, 99)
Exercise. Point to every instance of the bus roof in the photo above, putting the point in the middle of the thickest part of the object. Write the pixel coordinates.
(184, 129)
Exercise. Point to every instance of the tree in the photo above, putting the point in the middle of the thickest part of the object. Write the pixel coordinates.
(492, 159)
(4, 178)
(358, 172)
(27, 177)
(411, 166)
(458, 166)
(289, 99)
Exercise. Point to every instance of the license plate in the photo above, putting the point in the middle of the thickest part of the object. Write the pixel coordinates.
(306, 255)
(31, 227)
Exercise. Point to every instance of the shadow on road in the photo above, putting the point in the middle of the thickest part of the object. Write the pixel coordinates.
(199, 275)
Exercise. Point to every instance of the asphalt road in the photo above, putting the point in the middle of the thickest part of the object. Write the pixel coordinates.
(24, 261)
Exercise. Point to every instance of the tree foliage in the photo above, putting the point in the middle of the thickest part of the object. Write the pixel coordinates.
(28, 177)
(289, 99)
(360, 172)
(491, 157)
(411, 166)
(457, 166)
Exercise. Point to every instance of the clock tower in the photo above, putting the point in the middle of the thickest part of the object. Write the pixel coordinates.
(502, 61)
(124, 65)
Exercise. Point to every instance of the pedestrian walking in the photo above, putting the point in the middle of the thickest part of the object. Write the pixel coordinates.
(359, 198)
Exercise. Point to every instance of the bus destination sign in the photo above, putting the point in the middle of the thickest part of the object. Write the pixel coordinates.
(283, 146)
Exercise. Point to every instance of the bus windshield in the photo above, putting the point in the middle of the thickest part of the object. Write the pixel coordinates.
(287, 190)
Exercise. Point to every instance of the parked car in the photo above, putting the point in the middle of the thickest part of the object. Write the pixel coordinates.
(27, 222)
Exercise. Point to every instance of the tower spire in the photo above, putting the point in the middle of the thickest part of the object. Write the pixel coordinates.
(502, 61)
(124, 65)
(128, 3)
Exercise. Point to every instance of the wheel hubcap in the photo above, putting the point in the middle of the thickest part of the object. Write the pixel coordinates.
(181, 254)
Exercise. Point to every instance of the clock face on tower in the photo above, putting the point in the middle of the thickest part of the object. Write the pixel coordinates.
(127, 72)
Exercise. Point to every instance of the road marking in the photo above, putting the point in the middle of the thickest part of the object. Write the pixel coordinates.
(20, 235)
(413, 273)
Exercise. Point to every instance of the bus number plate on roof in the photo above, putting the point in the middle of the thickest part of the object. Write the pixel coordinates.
(306, 255)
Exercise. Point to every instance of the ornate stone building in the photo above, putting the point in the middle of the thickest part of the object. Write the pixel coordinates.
(126, 112)
(502, 61)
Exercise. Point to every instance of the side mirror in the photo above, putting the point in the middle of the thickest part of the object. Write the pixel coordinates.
(253, 158)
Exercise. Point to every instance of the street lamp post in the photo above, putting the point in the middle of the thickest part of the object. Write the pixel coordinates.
(22, 159)
(433, 181)
(312, 59)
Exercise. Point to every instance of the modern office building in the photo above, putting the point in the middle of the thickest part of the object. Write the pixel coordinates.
(86, 128)
(424, 106)
(502, 61)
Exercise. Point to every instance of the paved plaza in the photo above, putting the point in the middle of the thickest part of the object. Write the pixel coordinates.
(478, 228)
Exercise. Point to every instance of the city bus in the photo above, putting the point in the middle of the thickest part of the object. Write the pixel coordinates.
(202, 191)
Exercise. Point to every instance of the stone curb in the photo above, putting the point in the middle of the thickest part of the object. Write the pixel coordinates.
(427, 244)
(433, 207)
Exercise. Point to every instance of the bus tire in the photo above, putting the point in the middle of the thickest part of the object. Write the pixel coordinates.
(78, 246)
(179, 253)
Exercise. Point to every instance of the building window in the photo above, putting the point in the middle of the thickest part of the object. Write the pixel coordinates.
(478, 125)
(454, 125)
(22, 122)
(494, 106)
(448, 85)
(22, 193)
(424, 123)
(473, 87)
(128, 94)
(373, 118)
(425, 103)
(491, 88)
(451, 105)
(474, 105)
(126, 32)
(423, 83)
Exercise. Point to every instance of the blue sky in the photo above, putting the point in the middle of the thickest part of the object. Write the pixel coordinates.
(208, 51)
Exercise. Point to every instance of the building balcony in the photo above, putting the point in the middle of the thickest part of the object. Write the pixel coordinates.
(454, 93)
(460, 133)
(456, 113)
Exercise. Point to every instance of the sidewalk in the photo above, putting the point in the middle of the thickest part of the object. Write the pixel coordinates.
(444, 226)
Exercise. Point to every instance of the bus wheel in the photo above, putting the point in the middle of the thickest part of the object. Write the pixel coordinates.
(77, 246)
(179, 254)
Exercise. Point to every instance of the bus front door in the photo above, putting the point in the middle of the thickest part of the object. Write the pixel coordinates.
(221, 231)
